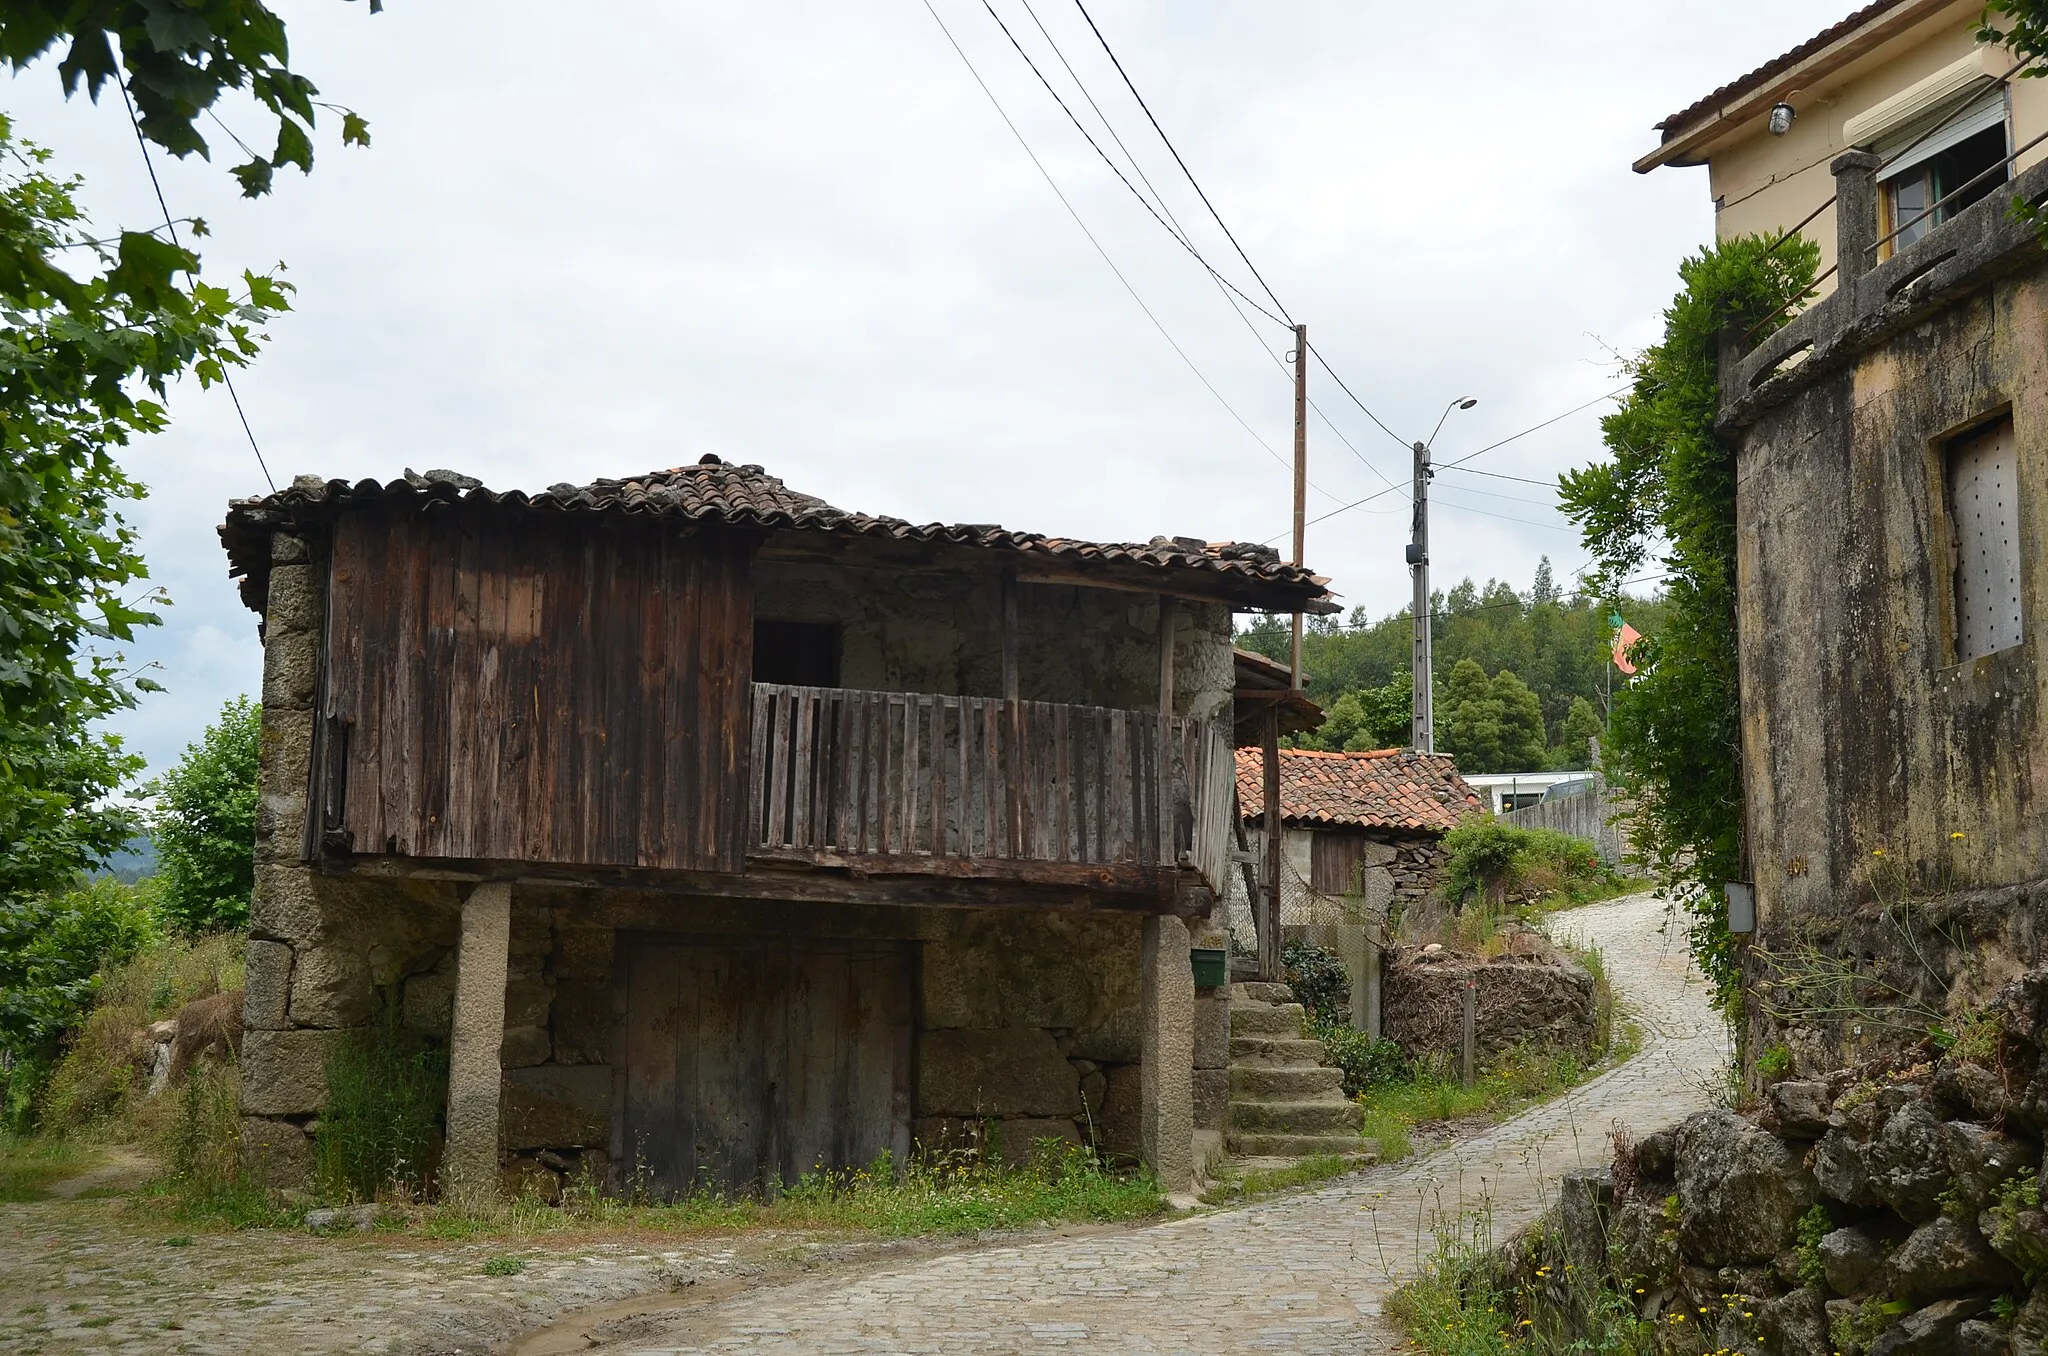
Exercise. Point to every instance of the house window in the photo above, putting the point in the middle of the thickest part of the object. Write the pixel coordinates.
(1981, 470)
(804, 654)
(1945, 165)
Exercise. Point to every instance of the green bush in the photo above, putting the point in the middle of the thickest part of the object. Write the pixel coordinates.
(204, 824)
(1487, 854)
(1320, 982)
(1368, 1061)
(53, 951)
(385, 1090)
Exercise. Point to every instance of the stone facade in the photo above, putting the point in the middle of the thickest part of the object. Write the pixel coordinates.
(1894, 794)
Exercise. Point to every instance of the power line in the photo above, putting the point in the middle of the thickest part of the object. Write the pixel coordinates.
(1113, 167)
(1213, 213)
(1354, 398)
(1171, 223)
(1054, 185)
(1533, 428)
(1489, 513)
(172, 227)
(1500, 475)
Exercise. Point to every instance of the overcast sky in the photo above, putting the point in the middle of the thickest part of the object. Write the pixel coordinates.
(597, 239)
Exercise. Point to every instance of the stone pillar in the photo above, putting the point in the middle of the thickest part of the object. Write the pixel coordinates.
(1166, 1102)
(1855, 215)
(1361, 955)
(469, 1165)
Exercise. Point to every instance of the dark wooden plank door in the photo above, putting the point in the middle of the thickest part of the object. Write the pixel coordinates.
(748, 1061)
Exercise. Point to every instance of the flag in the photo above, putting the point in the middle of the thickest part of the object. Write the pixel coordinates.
(1624, 637)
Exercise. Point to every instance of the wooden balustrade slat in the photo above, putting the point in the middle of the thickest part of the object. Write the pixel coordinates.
(852, 773)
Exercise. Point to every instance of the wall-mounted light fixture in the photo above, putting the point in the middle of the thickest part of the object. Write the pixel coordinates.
(1781, 118)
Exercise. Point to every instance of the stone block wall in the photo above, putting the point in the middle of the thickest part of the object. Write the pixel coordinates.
(1028, 1022)
(320, 947)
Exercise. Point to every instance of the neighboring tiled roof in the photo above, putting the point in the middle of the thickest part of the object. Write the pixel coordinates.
(1385, 789)
(1778, 64)
(746, 496)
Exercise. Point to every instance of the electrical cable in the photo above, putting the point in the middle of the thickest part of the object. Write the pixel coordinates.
(1170, 223)
(1499, 475)
(1213, 213)
(1054, 185)
(171, 226)
(1113, 167)
(1488, 513)
(1533, 428)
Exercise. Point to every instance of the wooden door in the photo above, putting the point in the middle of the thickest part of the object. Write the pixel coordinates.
(752, 1061)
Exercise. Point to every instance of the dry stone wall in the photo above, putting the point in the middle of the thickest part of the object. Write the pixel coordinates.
(1879, 1210)
(1532, 995)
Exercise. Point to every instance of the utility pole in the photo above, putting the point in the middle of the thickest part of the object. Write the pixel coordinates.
(1300, 475)
(1423, 732)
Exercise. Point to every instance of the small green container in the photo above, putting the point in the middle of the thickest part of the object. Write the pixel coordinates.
(1212, 967)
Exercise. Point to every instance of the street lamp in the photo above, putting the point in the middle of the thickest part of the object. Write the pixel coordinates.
(1422, 732)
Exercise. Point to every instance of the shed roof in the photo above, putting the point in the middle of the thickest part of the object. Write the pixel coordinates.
(1258, 676)
(1384, 789)
(747, 497)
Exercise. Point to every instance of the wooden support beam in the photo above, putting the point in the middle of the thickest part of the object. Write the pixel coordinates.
(799, 883)
(1010, 634)
(1269, 917)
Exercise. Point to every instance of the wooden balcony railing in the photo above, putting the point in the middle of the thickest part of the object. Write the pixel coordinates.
(900, 782)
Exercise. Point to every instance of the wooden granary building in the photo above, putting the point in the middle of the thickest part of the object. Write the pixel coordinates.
(722, 832)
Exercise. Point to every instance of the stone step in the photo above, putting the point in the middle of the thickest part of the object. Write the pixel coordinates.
(1296, 1146)
(1253, 992)
(1275, 1050)
(1277, 1019)
(1279, 1084)
(1294, 1118)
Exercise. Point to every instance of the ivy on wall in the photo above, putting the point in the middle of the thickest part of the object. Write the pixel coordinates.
(1666, 493)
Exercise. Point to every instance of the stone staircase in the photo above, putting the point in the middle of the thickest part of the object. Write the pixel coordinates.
(1284, 1101)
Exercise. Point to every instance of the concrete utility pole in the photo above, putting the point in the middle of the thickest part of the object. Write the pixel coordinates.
(1422, 733)
(1300, 476)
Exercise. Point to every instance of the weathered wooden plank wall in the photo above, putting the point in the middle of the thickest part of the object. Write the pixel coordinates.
(550, 688)
(841, 774)
(751, 1060)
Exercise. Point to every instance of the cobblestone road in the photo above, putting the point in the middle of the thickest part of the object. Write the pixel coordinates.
(1304, 1273)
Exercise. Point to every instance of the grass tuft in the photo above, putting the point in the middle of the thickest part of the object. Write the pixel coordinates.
(28, 1166)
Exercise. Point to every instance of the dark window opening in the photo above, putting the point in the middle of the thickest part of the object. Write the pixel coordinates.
(1948, 181)
(803, 654)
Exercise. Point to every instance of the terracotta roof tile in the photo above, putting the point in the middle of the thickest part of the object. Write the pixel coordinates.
(746, 496)
(1783, 62)
(1384, 789)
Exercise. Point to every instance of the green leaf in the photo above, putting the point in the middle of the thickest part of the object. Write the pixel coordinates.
(254, 177)
(355, 131)
(294, 147)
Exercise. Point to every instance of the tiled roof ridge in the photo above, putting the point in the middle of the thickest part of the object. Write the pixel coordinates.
(746, 495)
(1378, 788)
(1778, 64)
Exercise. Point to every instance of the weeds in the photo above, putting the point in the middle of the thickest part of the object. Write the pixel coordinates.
(1515, 1079)
(385, 1090)
(932, 1194)
(1467, 1304)
(1266, 1181)
(29, 1166)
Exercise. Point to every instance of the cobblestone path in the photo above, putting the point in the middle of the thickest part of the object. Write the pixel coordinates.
(1306, 1273)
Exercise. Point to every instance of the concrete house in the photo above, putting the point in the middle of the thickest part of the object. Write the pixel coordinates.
(728, 834)
(1891, 448)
